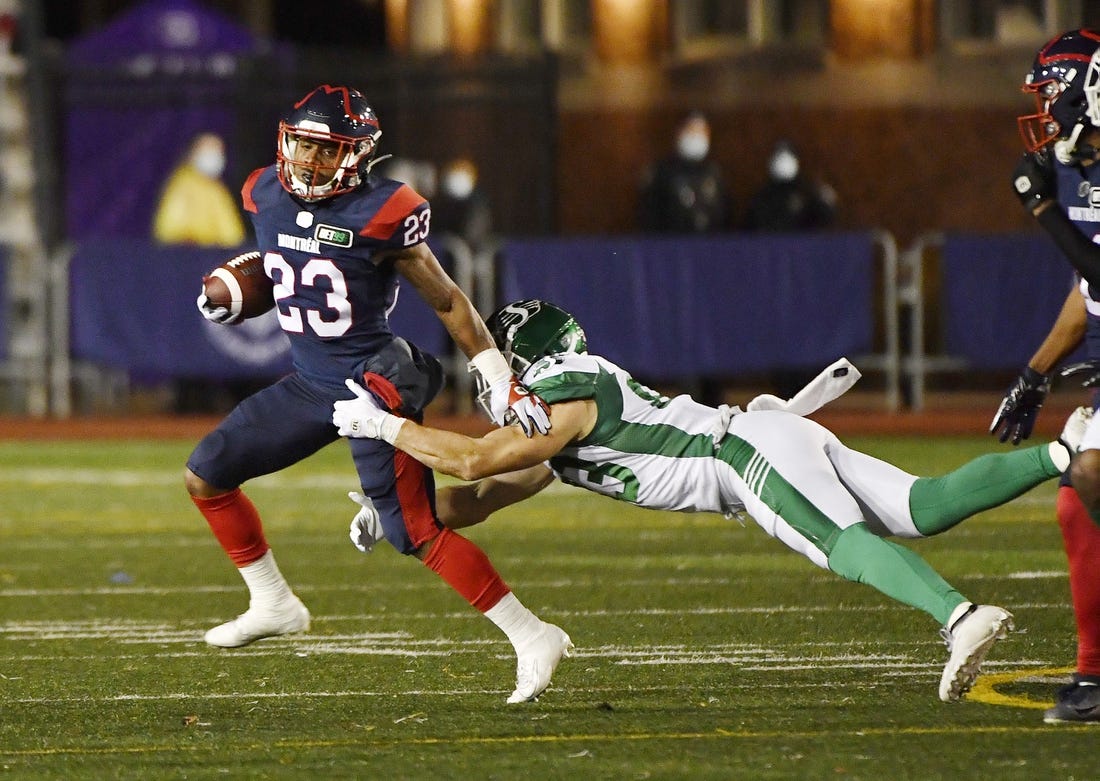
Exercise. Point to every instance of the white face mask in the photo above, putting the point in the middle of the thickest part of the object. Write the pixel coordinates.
(209, 162)
(784, 165)
(458, 184)
(693, 146)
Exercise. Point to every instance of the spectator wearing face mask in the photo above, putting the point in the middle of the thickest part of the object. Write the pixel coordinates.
(789, 201)
(461, 208)
(195, 205)
(685, 192)
(196, 208)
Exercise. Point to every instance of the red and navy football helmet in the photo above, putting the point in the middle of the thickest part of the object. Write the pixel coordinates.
(326, 143)
(1057, 80)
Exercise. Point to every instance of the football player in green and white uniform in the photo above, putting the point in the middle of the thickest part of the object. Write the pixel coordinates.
(802, 485)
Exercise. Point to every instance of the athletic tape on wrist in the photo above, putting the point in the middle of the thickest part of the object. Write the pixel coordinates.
(492, 366)
(390, 427)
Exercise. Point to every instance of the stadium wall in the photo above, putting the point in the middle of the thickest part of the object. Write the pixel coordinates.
(907, 169)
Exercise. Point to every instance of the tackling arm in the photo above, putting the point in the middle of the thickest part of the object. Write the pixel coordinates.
(459, 506)
(501, 450)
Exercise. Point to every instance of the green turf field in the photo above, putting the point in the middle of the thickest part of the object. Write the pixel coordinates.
(705, 650)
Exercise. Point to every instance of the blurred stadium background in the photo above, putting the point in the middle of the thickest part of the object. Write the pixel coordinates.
(934, 280)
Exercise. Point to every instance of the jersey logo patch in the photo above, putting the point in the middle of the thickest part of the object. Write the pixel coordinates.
(299, 243)
(330, 234)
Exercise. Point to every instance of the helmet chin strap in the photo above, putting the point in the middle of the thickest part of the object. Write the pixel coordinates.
(1069, 152)
(375, 161)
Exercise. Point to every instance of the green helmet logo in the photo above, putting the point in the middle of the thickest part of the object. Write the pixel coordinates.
(531, 329)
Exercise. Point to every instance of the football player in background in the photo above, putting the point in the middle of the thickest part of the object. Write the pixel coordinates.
(615, 437)
(335, 239)
(1058, 181)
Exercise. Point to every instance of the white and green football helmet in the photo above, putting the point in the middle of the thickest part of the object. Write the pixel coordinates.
(528, 330)
(531, 329)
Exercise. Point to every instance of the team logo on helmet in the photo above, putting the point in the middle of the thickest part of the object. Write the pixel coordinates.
(513, 316)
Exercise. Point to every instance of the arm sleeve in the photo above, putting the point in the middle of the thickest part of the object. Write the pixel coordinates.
(1082, 253)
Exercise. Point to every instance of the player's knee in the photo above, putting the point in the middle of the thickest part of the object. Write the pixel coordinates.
(1085, 476)
(198, 487)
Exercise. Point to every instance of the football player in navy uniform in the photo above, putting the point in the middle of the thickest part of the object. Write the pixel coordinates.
(335, 239)
(1058, 181)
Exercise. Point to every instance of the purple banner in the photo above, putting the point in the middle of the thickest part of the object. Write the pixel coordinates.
(133, 308)
(669, 308)
(138, 91)
(1001, 294)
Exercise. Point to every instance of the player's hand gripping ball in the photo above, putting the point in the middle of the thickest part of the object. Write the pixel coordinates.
(237, 290)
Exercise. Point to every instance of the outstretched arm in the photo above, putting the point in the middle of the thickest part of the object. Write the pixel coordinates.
(459, 506)
(502, 450)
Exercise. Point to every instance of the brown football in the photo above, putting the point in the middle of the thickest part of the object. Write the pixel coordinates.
(241, 286)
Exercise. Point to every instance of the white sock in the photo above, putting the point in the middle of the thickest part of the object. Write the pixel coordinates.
(517, 622)
(1060, 455)
(266, 585)
(958, 613)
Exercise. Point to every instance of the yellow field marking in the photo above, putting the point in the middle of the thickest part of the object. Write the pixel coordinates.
(718, 734)
(985, 690)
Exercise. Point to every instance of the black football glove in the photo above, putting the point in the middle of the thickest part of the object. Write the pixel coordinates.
(1089, 368)
(1020, 406)
(1034, 180)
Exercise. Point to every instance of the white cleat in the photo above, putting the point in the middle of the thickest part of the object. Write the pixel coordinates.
(968, 642)
(536, 664)
(290, 616)
(1074, 430)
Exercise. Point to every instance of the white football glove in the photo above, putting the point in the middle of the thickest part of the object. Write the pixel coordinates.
(366, 526)
(215, 314)
(363, 418)
(511, 402)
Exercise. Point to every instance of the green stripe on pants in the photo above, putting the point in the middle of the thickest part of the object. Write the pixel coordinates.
(777, 494)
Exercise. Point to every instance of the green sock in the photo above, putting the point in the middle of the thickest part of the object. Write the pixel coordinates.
(938, 503)
(897, 572)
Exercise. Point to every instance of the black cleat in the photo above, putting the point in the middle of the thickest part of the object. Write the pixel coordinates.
(1077, 703)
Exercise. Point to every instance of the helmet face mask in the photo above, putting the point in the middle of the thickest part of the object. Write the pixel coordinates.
(1092, 89)
(1057, 80)
(326, 144)
(527, 331)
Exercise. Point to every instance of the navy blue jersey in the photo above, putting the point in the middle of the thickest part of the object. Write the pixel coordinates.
(332, 294)
(1079, 195)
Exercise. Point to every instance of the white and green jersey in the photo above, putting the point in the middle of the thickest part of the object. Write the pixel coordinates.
(791, 475)
(796, 480)
(645, 448)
